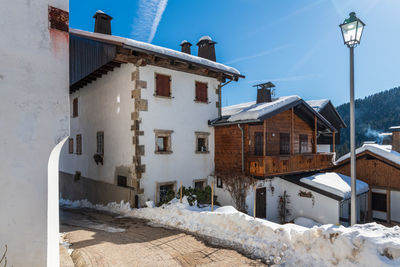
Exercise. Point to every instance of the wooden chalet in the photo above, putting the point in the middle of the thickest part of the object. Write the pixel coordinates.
(378, 166)
(271, 137)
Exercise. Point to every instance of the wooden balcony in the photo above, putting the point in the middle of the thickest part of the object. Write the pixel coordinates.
(285, 164)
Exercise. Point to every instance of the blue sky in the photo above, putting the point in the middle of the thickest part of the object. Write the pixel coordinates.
(295, 44)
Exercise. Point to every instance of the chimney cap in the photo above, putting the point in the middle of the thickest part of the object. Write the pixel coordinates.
(395, 129)
(266, 85)
(185, 42)
(207, 39)
(101, 13)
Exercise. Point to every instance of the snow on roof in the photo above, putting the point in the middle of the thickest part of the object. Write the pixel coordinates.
(138, 45)
(317, 105)
(205, 37)
(395, 128)
(253, 111)
(384, 151)
(184, 42)
(100, 11)
(335, 183)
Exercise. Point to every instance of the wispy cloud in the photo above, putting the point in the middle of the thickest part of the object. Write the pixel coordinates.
(147, 19)
(261, 54)
(289, 78)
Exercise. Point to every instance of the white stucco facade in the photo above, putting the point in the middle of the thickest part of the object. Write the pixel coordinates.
(107, 105)
(184, 117)
(34, 123)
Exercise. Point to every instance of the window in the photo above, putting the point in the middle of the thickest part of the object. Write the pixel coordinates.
(200, 184)
(201, 92)
(122, 181)
(219, 182)
(284, 143)
(78, 144)
(201, 142)
(163, 85)
(379, 202)
(258, 143)
(71, 146)
(163, 141)
(165, 190)
(100, 143)
(303, 143)
(75, 108)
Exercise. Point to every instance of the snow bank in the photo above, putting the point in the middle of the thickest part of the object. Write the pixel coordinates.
(306, 222)
(335, 183)
(290, 245)
(253, 111)
(384, 151)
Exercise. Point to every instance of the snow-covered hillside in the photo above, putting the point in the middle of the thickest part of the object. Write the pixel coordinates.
(326, 245)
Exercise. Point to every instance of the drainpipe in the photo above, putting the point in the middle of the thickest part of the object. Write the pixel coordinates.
(242, 130)
(220, 98)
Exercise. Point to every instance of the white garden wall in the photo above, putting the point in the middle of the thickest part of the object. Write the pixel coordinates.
(184, 117)
(33, 120)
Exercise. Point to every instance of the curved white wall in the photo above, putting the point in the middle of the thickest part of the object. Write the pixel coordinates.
(33, 120)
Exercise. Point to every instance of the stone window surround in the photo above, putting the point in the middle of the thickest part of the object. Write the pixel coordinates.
(162, 133)
(158, 184)
(204, 135)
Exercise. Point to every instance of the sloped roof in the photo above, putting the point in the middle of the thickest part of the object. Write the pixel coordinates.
(384, 151)
(318, 104)
(335, 183)
(157, 50)
(253, 112)
(328, 110)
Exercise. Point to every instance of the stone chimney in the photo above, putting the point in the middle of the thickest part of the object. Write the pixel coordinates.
(102, 22)
(185, 47)
(264, 92)
(395, 138)
(206, 48)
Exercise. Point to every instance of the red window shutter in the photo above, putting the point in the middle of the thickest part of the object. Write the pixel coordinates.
(163, 85)
(201, 92)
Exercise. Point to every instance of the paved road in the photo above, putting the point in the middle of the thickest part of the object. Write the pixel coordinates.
(100, 239)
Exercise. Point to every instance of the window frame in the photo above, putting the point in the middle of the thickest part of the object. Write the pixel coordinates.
(158, 188)
(79, 144)
(71, 146)
(258, 151)
(204, 181)
(156, 91)
(121, 182)
(375, 205)
(284, 145)
(75, 107)
(303, 137)
(202, 135)
(100, 136)
(164, 134)
(196, 98)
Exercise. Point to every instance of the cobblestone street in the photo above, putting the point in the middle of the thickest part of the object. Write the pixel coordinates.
(100, 239)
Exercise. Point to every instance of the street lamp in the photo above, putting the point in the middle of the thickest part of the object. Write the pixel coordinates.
(352, 29)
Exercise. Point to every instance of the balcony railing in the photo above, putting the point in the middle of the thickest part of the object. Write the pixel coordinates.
(285, 164)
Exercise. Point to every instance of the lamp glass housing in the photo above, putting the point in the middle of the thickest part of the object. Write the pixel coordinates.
(352, 29)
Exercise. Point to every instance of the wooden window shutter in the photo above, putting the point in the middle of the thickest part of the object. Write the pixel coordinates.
(201, 92)
(78, 144)
(163, 85)
(71, 146)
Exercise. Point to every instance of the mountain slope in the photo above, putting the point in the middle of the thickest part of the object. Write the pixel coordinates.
(374, 115)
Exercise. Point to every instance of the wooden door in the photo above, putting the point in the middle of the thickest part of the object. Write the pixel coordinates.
(261, 202)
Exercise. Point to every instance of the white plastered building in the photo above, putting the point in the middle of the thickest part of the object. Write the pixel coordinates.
(139, 117)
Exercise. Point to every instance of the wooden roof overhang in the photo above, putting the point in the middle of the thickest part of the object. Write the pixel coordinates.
(366, 154)
(92, 56)
(301, 109)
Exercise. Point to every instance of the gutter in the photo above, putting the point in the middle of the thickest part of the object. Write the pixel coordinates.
(242, 130)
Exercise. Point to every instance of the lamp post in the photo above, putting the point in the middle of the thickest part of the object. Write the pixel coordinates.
(352, 29)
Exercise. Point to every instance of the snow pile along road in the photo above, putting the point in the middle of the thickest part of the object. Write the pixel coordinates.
(327, 245)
